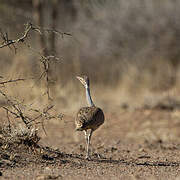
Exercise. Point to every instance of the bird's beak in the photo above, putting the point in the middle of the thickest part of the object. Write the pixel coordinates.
(81, 80)
(78, 77)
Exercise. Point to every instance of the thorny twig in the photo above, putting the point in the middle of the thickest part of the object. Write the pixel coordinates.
(41, 115)
(12, 81)
(45, 114)
(28, 28)
(57, 32)
(45, 61)
(17, 110)
(8, 42)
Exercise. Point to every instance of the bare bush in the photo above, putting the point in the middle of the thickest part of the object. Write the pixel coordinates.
(25, 133)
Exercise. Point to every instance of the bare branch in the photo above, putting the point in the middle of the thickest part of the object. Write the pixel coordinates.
(12, 81)
(29, 26)
(8, 42)
(57, 32)
(17, 111)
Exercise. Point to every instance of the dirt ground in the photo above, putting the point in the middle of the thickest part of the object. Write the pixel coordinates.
(138, 144)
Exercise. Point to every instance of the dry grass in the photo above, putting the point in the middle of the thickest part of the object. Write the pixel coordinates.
(156, 83)
(19, 134)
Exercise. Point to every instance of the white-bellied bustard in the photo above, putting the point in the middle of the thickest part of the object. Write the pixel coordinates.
(90, 117)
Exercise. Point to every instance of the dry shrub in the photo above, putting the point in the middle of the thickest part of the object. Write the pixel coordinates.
(18, 135)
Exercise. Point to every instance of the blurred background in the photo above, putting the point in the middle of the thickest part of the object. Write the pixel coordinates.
(130, 49)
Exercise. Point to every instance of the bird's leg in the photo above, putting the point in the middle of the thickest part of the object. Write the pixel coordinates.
(89, 137)
(88, 143)
(87, 150)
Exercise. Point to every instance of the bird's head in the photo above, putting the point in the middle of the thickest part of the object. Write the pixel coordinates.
(84, 80)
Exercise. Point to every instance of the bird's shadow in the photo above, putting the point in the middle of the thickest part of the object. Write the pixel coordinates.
(104, 160)
(127, 162)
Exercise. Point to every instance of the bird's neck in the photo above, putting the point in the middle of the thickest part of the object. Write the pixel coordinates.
(88, 97)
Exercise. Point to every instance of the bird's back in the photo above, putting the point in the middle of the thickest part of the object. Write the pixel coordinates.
(89, 118)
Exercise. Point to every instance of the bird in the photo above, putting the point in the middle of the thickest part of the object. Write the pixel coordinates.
(88, 118)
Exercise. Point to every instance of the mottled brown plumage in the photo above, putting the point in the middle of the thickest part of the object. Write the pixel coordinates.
(88, 117)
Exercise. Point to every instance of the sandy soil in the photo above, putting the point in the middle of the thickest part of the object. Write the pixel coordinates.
(141, 144)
